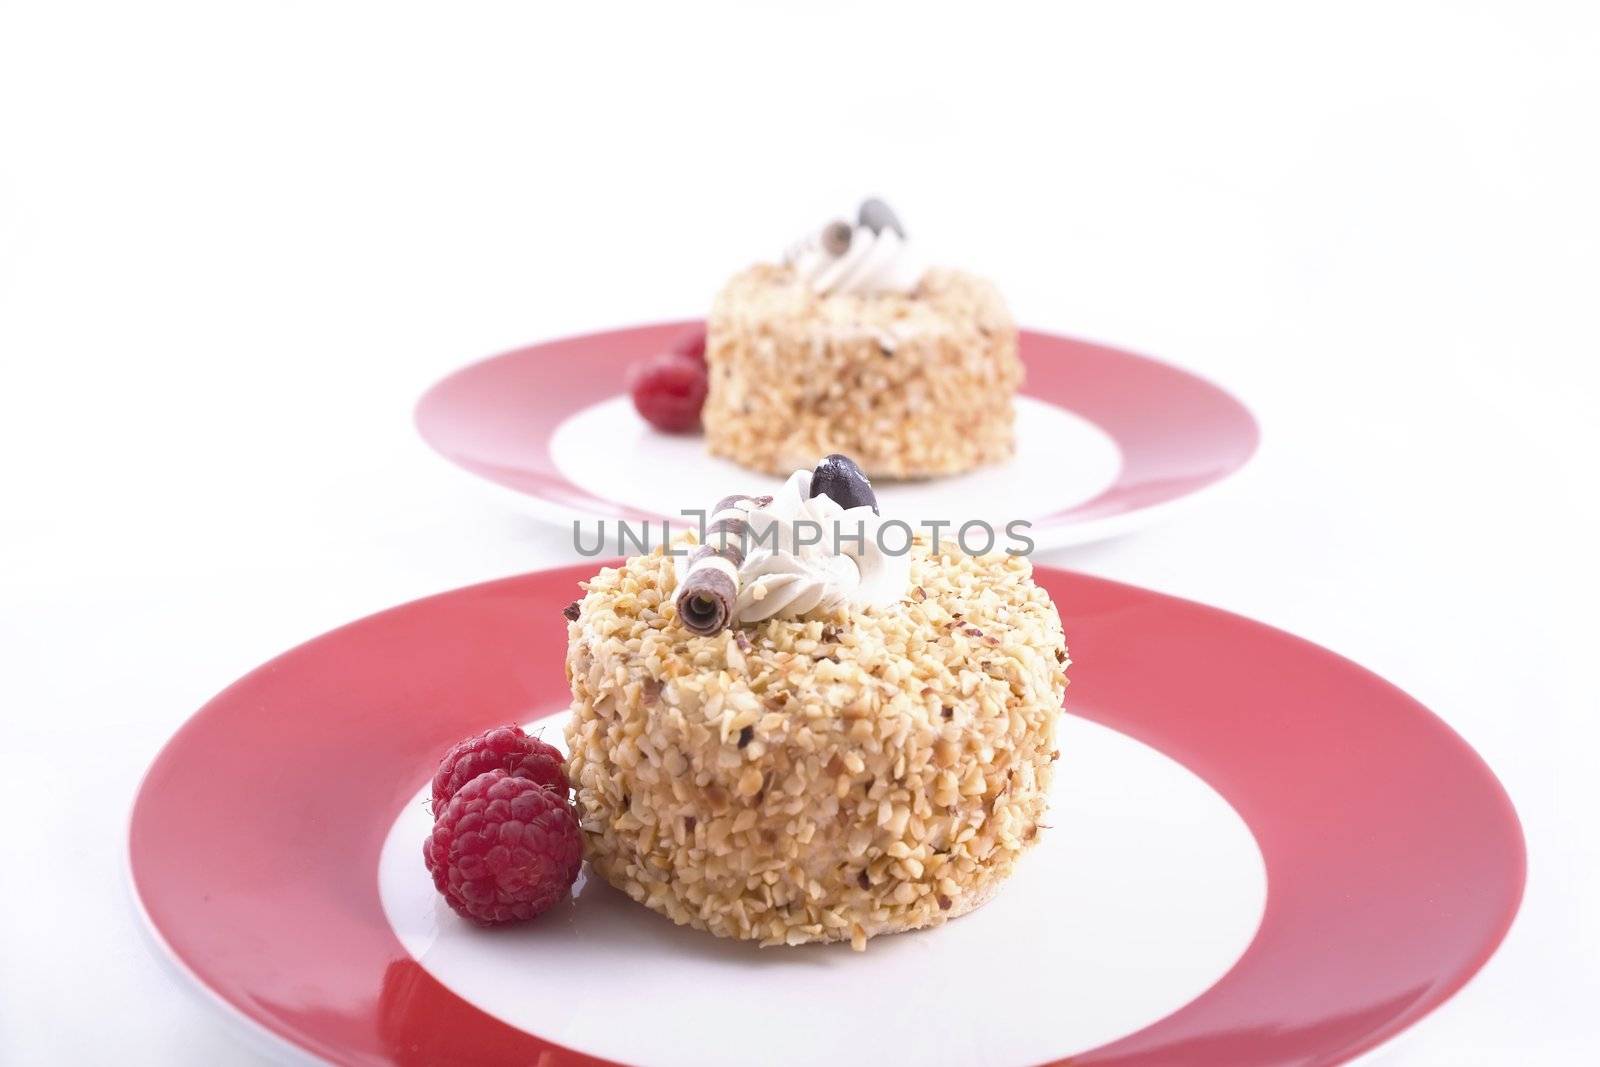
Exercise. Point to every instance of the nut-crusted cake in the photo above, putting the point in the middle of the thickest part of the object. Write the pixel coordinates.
(827, 747)
(851, 346)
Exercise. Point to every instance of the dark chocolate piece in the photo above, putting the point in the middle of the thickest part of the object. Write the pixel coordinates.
(838, 478)
(877, 216)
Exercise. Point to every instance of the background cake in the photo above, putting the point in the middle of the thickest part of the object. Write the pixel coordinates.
(852, 346)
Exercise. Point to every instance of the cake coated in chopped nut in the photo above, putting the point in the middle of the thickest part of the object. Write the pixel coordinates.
(822, 779)
(909, 385)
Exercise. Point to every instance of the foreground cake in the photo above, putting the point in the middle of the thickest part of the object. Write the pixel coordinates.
(812, 743)
(851, 346)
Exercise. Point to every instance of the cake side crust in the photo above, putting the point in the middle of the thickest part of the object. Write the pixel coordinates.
(909, 386)
(825, 779)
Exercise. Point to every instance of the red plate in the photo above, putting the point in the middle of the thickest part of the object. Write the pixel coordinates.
(1106, 439)
(1394, 861)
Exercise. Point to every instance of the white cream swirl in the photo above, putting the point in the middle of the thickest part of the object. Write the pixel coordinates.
(874, 262)
(808, 555)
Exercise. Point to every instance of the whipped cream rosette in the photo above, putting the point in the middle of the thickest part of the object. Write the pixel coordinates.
(873, 256)
(797, 553)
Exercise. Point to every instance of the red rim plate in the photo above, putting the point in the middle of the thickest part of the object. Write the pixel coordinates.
(1394, 859)
(1177, 433)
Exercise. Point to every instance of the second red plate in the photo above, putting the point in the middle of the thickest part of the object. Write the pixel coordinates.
(1105, 439)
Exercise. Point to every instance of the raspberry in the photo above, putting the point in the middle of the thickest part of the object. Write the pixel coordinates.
(506, 747)
(692, 345)
(668, 390)
(504, 849)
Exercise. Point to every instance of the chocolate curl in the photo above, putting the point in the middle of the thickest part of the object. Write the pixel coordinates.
(706, 600)
(710, 588)
(836, 237)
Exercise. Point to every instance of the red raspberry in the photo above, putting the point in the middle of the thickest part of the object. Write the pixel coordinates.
(692, 345)
(506, 747)
(504, 849)
(668, 390)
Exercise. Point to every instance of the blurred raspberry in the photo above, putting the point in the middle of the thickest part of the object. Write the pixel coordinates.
(692, 345)
(669, 389)
(504, 849)
(505, 747)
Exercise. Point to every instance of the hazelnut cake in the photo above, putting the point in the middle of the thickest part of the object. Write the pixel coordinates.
(850, 345)
(788, 741)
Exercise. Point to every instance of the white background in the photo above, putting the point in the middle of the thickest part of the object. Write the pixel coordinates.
(237, 240)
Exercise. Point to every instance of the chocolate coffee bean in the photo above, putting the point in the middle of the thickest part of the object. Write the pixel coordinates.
(876, 216)
(838, 478)
(836, 237)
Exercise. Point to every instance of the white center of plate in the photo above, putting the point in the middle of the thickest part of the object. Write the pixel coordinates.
(1144, 890)
(1062, 459)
